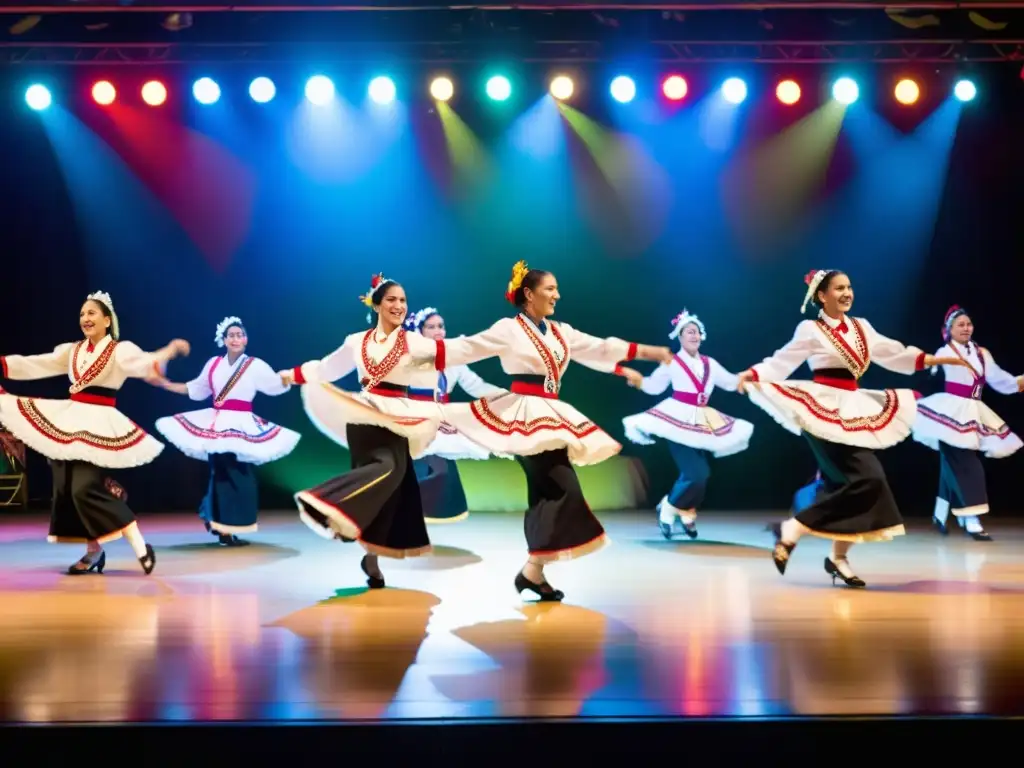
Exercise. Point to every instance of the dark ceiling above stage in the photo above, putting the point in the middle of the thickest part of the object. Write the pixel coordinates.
(147, 31)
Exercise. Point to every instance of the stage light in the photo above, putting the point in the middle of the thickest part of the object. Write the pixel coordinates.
(906, 92)
(38, 97)
(206, 91)
(499, 88)
(674, 88)
(104, 93)
(845, 91)
(262, 90)
(734, 90)
(623, 89)
(441, 89)
(382, 90)
(788, 92)
(562, 87)
(154, 93)
(964, 90)
(319, 90)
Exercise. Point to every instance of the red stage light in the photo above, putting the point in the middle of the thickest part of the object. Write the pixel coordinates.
(104, 93)
(154, 93)
(788, 92)
(674, 87)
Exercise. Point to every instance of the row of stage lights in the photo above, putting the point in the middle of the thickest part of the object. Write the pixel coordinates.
(320, 90)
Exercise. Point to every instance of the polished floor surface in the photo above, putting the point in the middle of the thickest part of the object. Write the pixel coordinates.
(285, 630)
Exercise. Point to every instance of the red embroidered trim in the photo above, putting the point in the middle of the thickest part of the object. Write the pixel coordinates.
(859, 361)
(239, 372)
(94, 370)
(551, 364)
(378, 372)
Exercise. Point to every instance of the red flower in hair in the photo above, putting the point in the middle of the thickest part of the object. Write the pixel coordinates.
(809, 277)
(376, 280)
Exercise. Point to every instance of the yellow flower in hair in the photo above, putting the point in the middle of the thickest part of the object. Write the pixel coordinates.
(518, 273)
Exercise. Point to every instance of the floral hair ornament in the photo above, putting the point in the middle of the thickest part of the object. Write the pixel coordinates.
(415, 321)
(375, 282)
(518, 273)
(951, 315)
(813, 280)
(104, 298)
(684, 319)
(222, 328)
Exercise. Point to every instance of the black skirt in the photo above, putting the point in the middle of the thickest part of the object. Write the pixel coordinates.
(854, 502)
(377, 503)
(231, 504)
(559, 524)
(444, 500)
(87, 504)
(962, 481)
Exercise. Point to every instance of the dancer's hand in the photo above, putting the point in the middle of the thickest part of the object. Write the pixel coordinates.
(743, 379)
(662, 355)
(287, 377)
(180, 347)
(1020, 384)
(633, 378)
(930, 361)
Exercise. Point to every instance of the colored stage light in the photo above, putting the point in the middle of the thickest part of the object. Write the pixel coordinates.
(262, 90)
(154, 93)
(788, 92)
(623, 89)
(206, 91)
(674, 88)
(319, 90)
(845, 91)
(382, 90)
(104, 92)
(734, 90)
(38, 97)
(441, 89)
(562, 87)
(906, 92)
(964, 90)
(499, 88)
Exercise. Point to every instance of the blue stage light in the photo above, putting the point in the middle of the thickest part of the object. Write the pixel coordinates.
(964, 90)
(845, 91)
(382, 90)
(623, 89)
(262, 90)
(206, 91)
(319, 90)
(38, 97)
(734, 90)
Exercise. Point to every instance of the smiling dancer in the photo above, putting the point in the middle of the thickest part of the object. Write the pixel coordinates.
(85, 435)
(545, 434)
(378, 502)
(228, 435)
(959, 426)
(692, 429)
(844, 425)
(444, 499)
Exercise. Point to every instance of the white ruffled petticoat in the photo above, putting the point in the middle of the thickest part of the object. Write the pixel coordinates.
(198, 434)
(700, 427)
(963, 422)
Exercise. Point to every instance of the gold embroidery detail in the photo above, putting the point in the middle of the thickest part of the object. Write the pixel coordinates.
(377, 372)
(94, 370)
(219, 400)
(858, 367)
(554, 367)
(482, 410)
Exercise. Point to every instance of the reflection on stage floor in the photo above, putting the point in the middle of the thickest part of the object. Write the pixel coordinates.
(285, 629)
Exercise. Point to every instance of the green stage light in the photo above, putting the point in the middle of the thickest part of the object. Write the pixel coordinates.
(499, 88)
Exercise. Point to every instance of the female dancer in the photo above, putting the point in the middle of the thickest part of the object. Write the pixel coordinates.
(959, 426)
(85, 434)
(546, 435)
(377, 503)
(229, 436)
(444, 500)
(843, 424)
(693, 430)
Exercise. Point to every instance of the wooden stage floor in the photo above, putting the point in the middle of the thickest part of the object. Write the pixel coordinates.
(283, 630)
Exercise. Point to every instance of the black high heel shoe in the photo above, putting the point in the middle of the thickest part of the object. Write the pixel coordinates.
(690, 529)
(545, 591)
(373, 582)
(782, 549)
(148, 562)
(979, 535)
(98, 565)
(832, 570)
(230, 540)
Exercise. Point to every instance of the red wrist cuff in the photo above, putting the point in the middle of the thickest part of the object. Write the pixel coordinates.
(631, 352)
(3, 367)
(754, 374)
(297, 376)
(442, 354)
(919, 363)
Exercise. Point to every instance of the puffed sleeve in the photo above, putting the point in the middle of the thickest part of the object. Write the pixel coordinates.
(464, 350)
(266, 380)
(891, 354)
(339, 363)
(1002, 382)
(658, 381)
(29, 367)
(199, 387)
(594, 352)
(784, 361)
(135, 363)
(720, 377)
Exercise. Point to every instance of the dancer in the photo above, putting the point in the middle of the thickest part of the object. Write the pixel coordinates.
(959, 426)
(377, 503)
(229, 436)
(86, 434)
(692, 429)
(444, 499)
(545, 434)
(843, 424)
